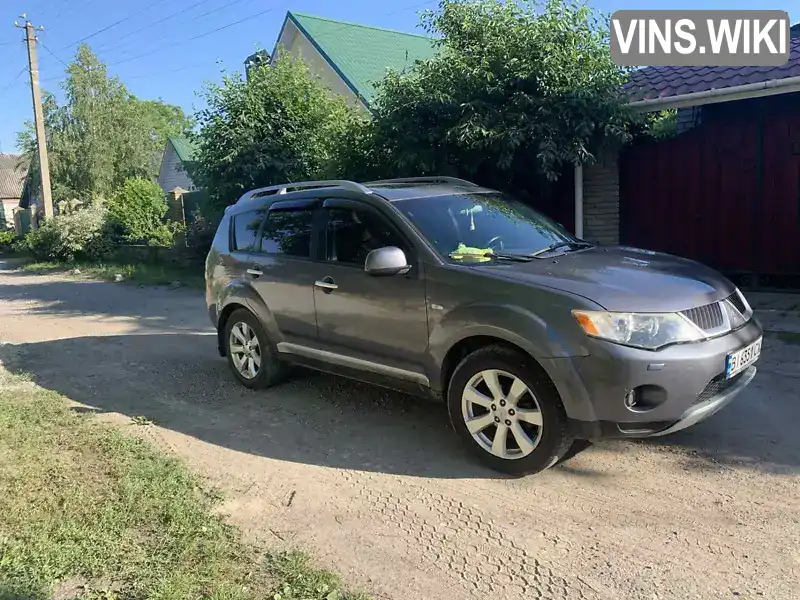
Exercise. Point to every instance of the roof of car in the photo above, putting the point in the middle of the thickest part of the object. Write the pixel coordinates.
(391, 191)
(406, 191)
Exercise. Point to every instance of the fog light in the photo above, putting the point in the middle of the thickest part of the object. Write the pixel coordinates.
(645, 397)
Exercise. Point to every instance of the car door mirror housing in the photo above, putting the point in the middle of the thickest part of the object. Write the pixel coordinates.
(387, 261)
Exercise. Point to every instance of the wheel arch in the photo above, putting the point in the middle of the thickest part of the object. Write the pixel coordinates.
(224, 315)
(240, 295)
(466, 346)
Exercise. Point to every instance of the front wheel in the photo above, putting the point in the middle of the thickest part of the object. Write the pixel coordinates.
(507, 411)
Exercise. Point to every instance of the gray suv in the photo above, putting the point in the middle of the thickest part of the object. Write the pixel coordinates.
(533, 337)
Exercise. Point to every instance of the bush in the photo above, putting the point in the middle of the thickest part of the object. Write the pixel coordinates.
(200, 233)
(82, 234)
(138, 211)
(163, 236)
(7, 238)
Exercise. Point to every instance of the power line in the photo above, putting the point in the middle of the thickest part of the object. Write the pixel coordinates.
(51, 53)
(149, 25)
(143, 76)
(205, 14)
(14, 80)
(197, 37)
(67, 6)
(107, 27)
(167, 72)
(399, 10)
(258, 14)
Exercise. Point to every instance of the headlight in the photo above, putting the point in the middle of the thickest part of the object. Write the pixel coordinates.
(642, 330)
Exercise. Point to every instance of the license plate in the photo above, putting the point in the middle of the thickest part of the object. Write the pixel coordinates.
(738, 361)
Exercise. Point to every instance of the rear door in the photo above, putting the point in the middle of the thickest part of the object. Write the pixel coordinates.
(282, 270)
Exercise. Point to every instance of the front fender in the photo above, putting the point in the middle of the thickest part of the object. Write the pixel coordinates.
(555, 337)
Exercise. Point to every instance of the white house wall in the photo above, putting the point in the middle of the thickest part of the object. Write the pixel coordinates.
(172, 174)
(294, 43)
(7, 207)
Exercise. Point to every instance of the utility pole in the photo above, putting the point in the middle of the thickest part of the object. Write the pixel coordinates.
(38, 114)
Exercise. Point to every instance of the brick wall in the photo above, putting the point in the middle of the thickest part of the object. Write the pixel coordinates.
(601, 202)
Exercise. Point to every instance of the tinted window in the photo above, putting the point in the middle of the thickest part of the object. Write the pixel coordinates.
(245, 229)
(352, 234)
(481, 222)
(288, 232)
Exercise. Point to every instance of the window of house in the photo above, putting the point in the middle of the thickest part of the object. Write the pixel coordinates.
(288, 232)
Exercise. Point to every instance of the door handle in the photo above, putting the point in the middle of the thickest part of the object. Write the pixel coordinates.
(326, 285)
(255, 272)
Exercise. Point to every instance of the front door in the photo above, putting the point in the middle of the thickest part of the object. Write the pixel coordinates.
(378, 320)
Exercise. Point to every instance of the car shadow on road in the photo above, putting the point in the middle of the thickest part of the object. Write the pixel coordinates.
(178, 381)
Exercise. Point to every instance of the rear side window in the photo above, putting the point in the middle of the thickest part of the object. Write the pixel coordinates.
(288, 232)
(245, 229)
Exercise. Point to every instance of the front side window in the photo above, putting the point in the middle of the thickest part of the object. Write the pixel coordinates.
(354, 233)
(245, 229)
(471, 226)
(288, 232)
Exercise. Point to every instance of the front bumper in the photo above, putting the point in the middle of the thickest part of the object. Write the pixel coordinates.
(705, 409)
(685, 380)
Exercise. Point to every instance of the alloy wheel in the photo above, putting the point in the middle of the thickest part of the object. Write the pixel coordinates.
(245, 350)
(502, 414)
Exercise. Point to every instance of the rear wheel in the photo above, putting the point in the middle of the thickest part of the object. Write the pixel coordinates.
(507, 411)
(249, 353)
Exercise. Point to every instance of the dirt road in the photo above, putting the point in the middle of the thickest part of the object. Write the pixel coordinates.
(376, 485)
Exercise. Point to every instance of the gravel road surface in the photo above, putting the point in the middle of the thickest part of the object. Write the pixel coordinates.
(376, 486)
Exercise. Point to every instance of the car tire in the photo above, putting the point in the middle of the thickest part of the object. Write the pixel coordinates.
(261, 368)
(534, 420)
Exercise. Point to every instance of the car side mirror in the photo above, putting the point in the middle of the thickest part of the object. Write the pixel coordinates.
(387, 261)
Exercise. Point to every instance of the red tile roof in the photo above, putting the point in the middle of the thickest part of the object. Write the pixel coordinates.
(666, 82)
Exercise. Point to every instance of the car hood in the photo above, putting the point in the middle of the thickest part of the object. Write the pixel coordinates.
(621, 278)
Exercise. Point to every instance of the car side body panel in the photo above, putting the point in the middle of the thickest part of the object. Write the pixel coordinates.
(461, 308)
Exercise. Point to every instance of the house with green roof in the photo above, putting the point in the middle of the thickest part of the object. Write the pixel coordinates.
(178, 153)
(350, 58)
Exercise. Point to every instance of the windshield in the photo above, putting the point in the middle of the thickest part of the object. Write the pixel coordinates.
(470, 226)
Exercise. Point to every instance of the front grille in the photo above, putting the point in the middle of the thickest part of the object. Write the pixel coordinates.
(737, 302)
(717, 386)
(705, 317)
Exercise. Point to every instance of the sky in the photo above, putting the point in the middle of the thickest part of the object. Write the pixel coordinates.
(151, 40)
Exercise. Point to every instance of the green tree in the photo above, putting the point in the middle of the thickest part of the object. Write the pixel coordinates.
(101, 135)
(517, 91)
(138, 211)
(279, 125)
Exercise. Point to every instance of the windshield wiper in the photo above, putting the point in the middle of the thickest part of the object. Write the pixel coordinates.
(557, 245)
(504, 256)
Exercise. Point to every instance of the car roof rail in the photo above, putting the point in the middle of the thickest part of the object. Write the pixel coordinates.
(301, 185)
(433, 179)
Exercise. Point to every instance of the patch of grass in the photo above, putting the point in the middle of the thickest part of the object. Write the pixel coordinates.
(105, 516)
(141, 273)
(300, 580)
